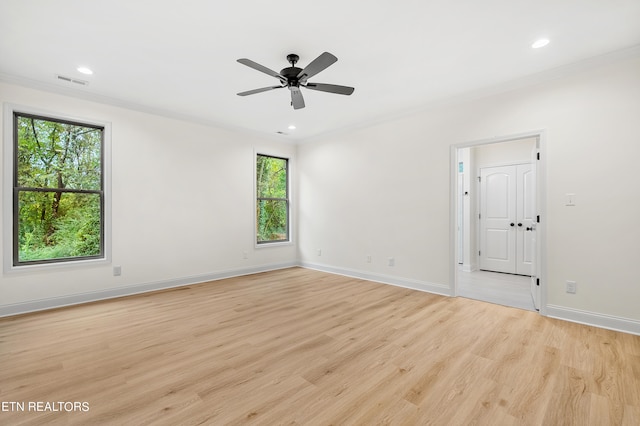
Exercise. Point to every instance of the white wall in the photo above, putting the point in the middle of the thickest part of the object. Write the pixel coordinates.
(182, 205)
(183, 196)
(384, 190)
(503, 153)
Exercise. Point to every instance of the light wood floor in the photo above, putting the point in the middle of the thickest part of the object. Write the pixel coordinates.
(303, 347)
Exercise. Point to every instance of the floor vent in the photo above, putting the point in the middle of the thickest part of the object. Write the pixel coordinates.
(72, 80)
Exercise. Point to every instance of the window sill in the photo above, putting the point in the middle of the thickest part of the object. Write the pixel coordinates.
(42, 267)
(274, 244)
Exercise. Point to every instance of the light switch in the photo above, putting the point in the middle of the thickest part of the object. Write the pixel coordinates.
(570, 199)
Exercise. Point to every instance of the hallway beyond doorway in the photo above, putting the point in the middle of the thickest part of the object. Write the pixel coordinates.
(493, 287)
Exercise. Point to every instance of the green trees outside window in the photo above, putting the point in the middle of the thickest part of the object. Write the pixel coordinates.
(58, 193)
(272, 205)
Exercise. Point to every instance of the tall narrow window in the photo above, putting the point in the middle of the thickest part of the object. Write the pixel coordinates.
(58, 190)
(272, 204)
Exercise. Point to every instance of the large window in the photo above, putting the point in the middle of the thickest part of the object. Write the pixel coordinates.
(272, 204)
(58, 190)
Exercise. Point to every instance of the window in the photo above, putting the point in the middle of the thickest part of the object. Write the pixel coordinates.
(272, 203)
(58, 190)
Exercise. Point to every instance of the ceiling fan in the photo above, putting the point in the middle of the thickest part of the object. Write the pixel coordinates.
(293, 78)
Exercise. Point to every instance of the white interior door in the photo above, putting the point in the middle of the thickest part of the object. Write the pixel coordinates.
(461, 229)
(497, 219)
(507, 215)
(531, 232)
(525, 216)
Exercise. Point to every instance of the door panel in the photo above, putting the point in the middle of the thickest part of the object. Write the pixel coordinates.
(532, 234)
(525, 213)
(498, 194)
(497, 213)
(507, 209)
(461, 229)
(497, 247)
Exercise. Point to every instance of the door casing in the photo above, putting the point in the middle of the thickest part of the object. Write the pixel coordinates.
(541, 250)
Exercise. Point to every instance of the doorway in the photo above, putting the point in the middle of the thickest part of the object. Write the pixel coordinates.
(497, 238)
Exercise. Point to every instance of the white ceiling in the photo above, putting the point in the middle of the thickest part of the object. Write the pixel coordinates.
(179, 58)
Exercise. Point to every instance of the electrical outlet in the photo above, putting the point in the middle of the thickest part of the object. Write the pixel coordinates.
(245, 255)
(368, 258)
(117, 271)
(319, 252)
(571, 287)
(392, 261)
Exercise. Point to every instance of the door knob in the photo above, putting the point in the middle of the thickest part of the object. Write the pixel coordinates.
(519, 224)
(512, 224)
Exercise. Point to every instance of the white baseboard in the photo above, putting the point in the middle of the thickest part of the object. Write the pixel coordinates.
(625, 325)
(441, 289)
(76, 299)
(609, 322)
(467, 267)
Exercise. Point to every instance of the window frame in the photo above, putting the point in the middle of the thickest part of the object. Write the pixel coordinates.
(257, 199)
(11, 191)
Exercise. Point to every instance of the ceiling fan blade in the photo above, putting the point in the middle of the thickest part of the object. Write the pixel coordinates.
(296, 98)
(331, 88)
(318, 64)
(261, 68)
(264, 89)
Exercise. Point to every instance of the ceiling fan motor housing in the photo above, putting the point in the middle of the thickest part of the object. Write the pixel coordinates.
(291, 74)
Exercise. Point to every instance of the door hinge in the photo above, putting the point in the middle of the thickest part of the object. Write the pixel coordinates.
(538, 155)
(479, 252)
(479, 178)
(479, 215)
(538, 281)
(538, 219)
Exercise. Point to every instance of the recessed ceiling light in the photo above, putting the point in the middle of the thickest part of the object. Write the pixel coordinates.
(85, 70)
(540, 43)
(292, 127)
